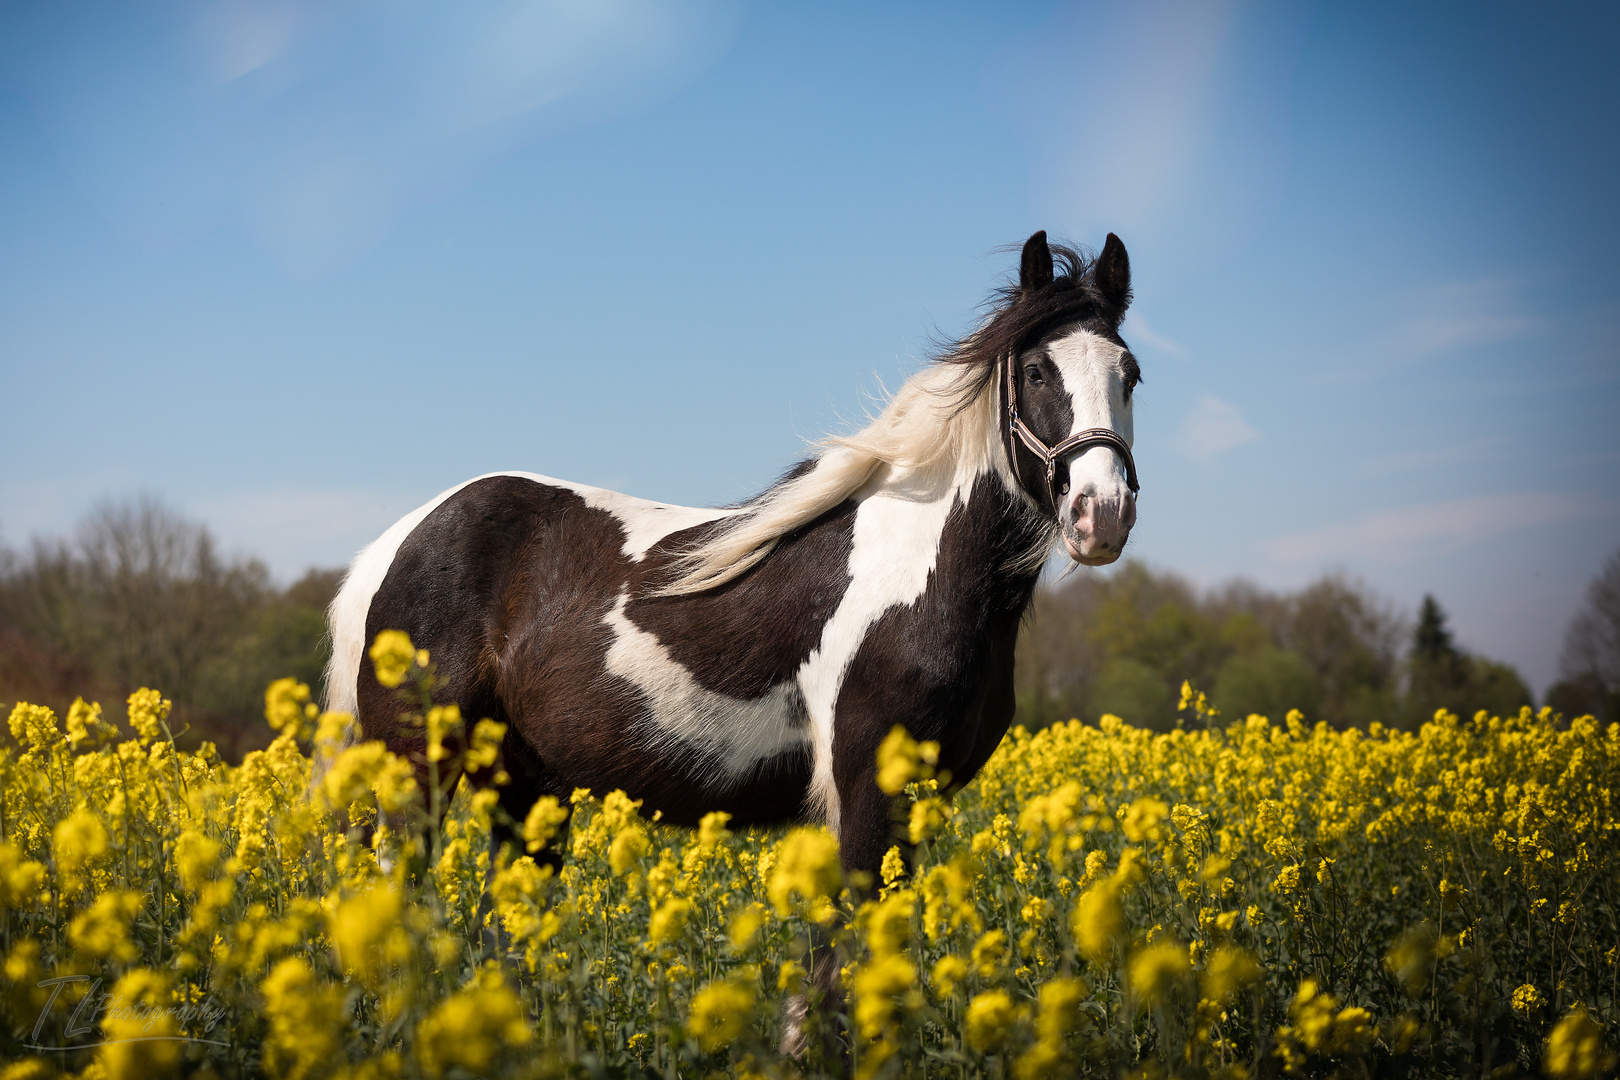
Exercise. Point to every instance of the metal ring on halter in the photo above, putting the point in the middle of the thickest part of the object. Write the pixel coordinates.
(1080, 440)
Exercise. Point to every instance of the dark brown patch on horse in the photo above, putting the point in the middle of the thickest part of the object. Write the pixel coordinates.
(941, 666)
(753, 633)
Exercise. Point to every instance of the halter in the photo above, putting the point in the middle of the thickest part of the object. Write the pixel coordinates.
(1080, 440)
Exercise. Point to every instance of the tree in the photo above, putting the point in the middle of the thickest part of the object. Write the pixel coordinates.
(1440, 675)
(141, 597)
(1350, 640)
(1123, 642)
(1589, 668)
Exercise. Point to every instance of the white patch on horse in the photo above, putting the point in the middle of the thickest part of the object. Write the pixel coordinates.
(1090, 365)
(897, 532)
(352, 604)
(732, 735)
(644, 523)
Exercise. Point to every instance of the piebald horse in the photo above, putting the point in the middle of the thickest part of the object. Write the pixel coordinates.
(751, 658)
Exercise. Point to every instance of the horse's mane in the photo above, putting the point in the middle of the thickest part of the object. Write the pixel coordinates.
(946, 413)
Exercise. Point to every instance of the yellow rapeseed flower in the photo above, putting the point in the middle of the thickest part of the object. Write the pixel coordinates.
(668, 920)
(84, 722)
(989, 953)
(1527, 1000)
(392, 654)
(1156, 970)
(949, 971)
(805, 869)
(284, 702)
(901, 759)
(1099, 920)
(138, 1028)
(306, 1019)
(928, 818)
(545, 817)
(1230, 969)
(989, 1020)
(367, 933)
(484, 745)
(721, 1011)
(1575, 1048)
(196, 857)
(369, 769)
(712, 831)
(1059, 1014)
(471, 1027)
(20, 879)
(745, 926)
(147, 711)
(886, 924)
(629, 846)
(876, 985)
(948, 898)
(34, 726)
(790, 977)
(1142, 820)
(442, 722)
(893, 867)
(102, 931)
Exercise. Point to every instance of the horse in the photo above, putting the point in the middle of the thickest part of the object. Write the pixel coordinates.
(751, 658)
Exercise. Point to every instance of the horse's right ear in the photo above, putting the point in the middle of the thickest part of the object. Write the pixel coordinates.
(1114, 275)
(1035, 271)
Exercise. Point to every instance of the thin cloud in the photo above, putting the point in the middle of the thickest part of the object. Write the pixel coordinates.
(1403, 534)
(1401, 461)
(1145, 72)
(314, 125)
(1140, 330)
(1465, 314)
(1214, 426)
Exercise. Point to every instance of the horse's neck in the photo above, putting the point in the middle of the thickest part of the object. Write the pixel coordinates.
(965, 528)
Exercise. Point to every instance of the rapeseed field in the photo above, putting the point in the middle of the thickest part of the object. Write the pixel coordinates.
(1247, 898)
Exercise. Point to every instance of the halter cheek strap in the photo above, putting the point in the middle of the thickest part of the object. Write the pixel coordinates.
(1049, 455)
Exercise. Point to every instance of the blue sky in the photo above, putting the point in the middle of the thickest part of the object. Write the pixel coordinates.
(297, 266)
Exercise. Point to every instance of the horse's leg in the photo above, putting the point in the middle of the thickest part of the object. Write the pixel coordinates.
(865, 833)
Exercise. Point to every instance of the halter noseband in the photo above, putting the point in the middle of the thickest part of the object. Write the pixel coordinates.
(1080, 440)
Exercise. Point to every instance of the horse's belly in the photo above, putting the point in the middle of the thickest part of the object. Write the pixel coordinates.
(676, 747)
(730, 736)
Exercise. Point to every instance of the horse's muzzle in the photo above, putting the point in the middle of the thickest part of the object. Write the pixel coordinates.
(1095, 529)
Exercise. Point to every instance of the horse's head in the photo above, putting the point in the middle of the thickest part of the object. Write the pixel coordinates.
(1069, 385)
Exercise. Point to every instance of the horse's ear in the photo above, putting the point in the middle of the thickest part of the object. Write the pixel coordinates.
(1035, 270)
(1114, 274)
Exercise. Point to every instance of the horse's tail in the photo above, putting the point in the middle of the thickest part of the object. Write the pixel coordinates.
(346, 624)
(346, 621)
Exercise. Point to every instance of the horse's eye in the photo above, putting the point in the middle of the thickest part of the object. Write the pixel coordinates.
(1033, 374)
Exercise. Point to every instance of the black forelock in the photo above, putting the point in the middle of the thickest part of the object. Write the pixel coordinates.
(1021, 318)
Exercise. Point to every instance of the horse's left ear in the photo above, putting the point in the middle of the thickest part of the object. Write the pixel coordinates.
(1035, 269)
(1114, 274)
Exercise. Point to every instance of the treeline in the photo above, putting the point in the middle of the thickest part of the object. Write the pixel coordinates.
(1589, 669)
(139, 596)
(1123, 642)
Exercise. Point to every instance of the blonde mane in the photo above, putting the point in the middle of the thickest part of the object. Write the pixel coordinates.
(945, 414)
